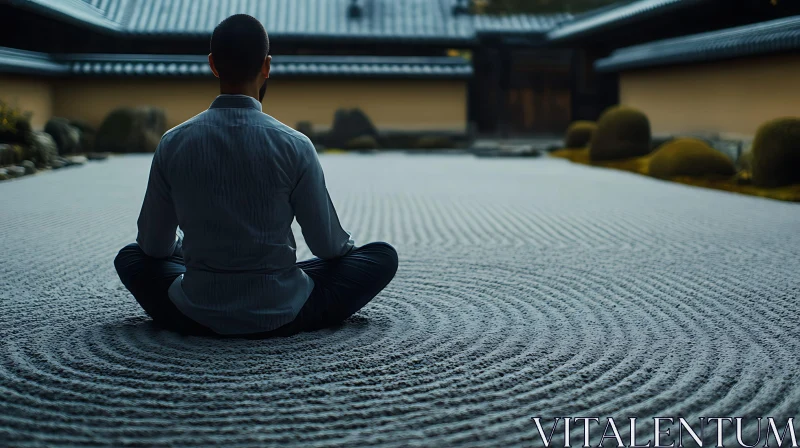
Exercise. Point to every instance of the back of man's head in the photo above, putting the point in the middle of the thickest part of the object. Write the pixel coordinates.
(239, 46)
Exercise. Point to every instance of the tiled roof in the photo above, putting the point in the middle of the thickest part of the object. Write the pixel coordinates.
(409, 19)
(380, 19)
(29, 62)
(197, 65)
(518, 23)
(614, 16)
(767, 37)
(75, 11)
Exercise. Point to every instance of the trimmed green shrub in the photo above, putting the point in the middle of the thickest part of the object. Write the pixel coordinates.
(579, 134)
(622, 133)
(689, 157)
(776, 153)
(15, 125)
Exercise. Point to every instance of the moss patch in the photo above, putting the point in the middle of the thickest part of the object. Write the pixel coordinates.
(633, 164)
(689, 157)
(639, 165)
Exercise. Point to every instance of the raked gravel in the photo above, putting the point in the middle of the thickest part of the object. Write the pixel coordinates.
(527, 287)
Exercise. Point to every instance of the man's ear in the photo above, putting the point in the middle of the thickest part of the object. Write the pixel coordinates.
(211, 64)
(266, 67)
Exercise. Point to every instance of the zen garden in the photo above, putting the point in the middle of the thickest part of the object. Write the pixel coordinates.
(595, 212)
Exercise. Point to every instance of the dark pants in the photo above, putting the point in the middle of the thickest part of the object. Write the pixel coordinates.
(342, 286)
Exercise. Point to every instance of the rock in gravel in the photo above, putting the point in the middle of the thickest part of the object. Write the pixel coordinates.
(58, 162)
(43, 149)
(3, 174)
(97, 155)
(15, 171)
(77, 160)
(131, 130)
(66, 136)
(349, 124)
(29, 166)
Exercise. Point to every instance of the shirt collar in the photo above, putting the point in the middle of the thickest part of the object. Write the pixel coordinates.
(236, 102)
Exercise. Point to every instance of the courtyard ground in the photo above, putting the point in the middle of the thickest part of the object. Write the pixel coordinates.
(527, 287)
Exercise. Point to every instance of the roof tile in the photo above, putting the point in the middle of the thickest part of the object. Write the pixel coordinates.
(17, 61)
(380, 20)
(761, 38)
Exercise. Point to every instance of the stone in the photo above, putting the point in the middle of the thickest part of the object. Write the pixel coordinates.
(29, 166)
(77, 160)
(88, 134)
(349, 124)
(9, 154)
(511, 151)
(97, 156)
(15, 171)
(58, 163)
(43, 150)
(130, 130)
(3, 174)
(66, 136)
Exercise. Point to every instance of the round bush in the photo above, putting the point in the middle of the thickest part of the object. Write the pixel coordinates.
(622, 133)
(776, 153)
(579, 134)
(689, 157)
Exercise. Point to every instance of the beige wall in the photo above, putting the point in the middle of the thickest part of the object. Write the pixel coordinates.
(391, 104)
(730, 97)
(29, 94)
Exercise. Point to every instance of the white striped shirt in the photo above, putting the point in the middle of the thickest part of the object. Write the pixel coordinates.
(233, 178)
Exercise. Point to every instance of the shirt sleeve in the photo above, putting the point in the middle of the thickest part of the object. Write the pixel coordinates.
(315, 212)
(157, 222)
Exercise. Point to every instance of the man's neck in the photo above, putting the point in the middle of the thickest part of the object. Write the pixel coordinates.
(239, 90)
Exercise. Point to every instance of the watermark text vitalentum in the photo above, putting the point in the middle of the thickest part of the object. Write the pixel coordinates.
(667, 432)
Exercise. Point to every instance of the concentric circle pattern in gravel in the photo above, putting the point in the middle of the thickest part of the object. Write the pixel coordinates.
(526, 288)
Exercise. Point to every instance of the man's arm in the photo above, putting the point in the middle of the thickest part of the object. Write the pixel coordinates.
(315, 212)
(157, 220)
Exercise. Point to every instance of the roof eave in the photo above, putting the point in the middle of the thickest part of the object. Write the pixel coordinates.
(776, 36)
(64, 12)
(579, 28)
(194, 66)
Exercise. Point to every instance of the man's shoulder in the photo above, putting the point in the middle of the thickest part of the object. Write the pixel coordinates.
(278, 129)
(182, 127)
(272, 130)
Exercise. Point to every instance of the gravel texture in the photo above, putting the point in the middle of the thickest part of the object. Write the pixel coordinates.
(527, 287)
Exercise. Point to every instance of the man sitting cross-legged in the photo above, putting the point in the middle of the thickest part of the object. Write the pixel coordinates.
(233, 179)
